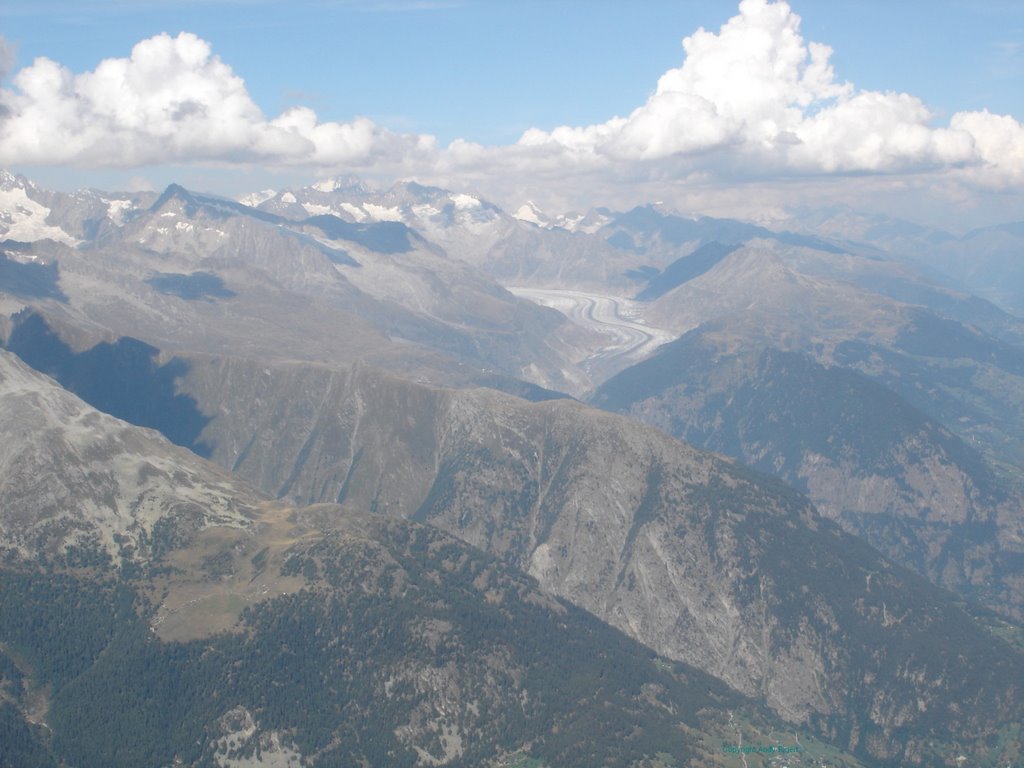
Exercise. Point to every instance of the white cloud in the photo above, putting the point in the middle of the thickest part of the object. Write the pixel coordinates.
(999, 142)
(171, 101)
(752, 102)
(756, 96)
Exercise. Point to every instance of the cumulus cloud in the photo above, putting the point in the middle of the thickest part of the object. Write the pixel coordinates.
(171, 101)
(757, 96)
(753, 100)
(998, 141)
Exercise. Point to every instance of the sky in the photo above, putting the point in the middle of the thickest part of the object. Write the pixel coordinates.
(749, 109)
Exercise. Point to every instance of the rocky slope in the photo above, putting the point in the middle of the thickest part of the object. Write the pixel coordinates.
(197, 272)
(869, 459)
(79, 484)
(900, 421)
(692, 555)
(155, 612)
(681, 550)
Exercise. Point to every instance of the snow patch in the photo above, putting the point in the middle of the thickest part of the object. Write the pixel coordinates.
(589, 224)
(382, 213)
(254, 199)
(116, 209)
(529, 213)
(357, 213)
(327, 185)
(463, 202)
(317, 210)
(288, 197)
(22, 218)
(424, 211)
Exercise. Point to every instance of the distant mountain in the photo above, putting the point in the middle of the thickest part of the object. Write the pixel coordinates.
(24, 214)
(589, 222)
(29, 213)
(510, 249)
(661, 235)
(985, 261)
(208, 273)
(439, 215)
(842, 223)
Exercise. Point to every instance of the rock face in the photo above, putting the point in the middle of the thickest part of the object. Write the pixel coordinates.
(236, 632)
(78, 483)
(686, 552)
(867, 458)
(401, 646)
(693, 555)
(869, 389)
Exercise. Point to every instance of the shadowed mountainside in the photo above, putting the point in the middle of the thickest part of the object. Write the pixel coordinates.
(698, 558)
(155, 612)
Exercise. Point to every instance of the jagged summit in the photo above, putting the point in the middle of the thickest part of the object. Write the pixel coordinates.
(219, 207)
(589, 222)
(173, 192)
(343, 184)
(531, 214)
(10, 180)
(26, 212)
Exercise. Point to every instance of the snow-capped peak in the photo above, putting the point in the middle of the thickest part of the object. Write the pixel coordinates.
(9, 181)
(571, 222)
(531, 214)
(22, 216)
(327, 185)
(255, 198)
(464, 202)
(347, 183)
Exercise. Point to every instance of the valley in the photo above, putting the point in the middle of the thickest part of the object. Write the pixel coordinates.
(618, 322)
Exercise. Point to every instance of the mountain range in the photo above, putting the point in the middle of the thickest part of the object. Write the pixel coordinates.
(390, 410)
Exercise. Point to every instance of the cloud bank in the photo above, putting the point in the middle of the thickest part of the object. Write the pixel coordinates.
(755, 97)
(752, 101)
(172, 101)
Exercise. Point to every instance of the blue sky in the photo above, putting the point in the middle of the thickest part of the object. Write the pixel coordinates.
(486, 71)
